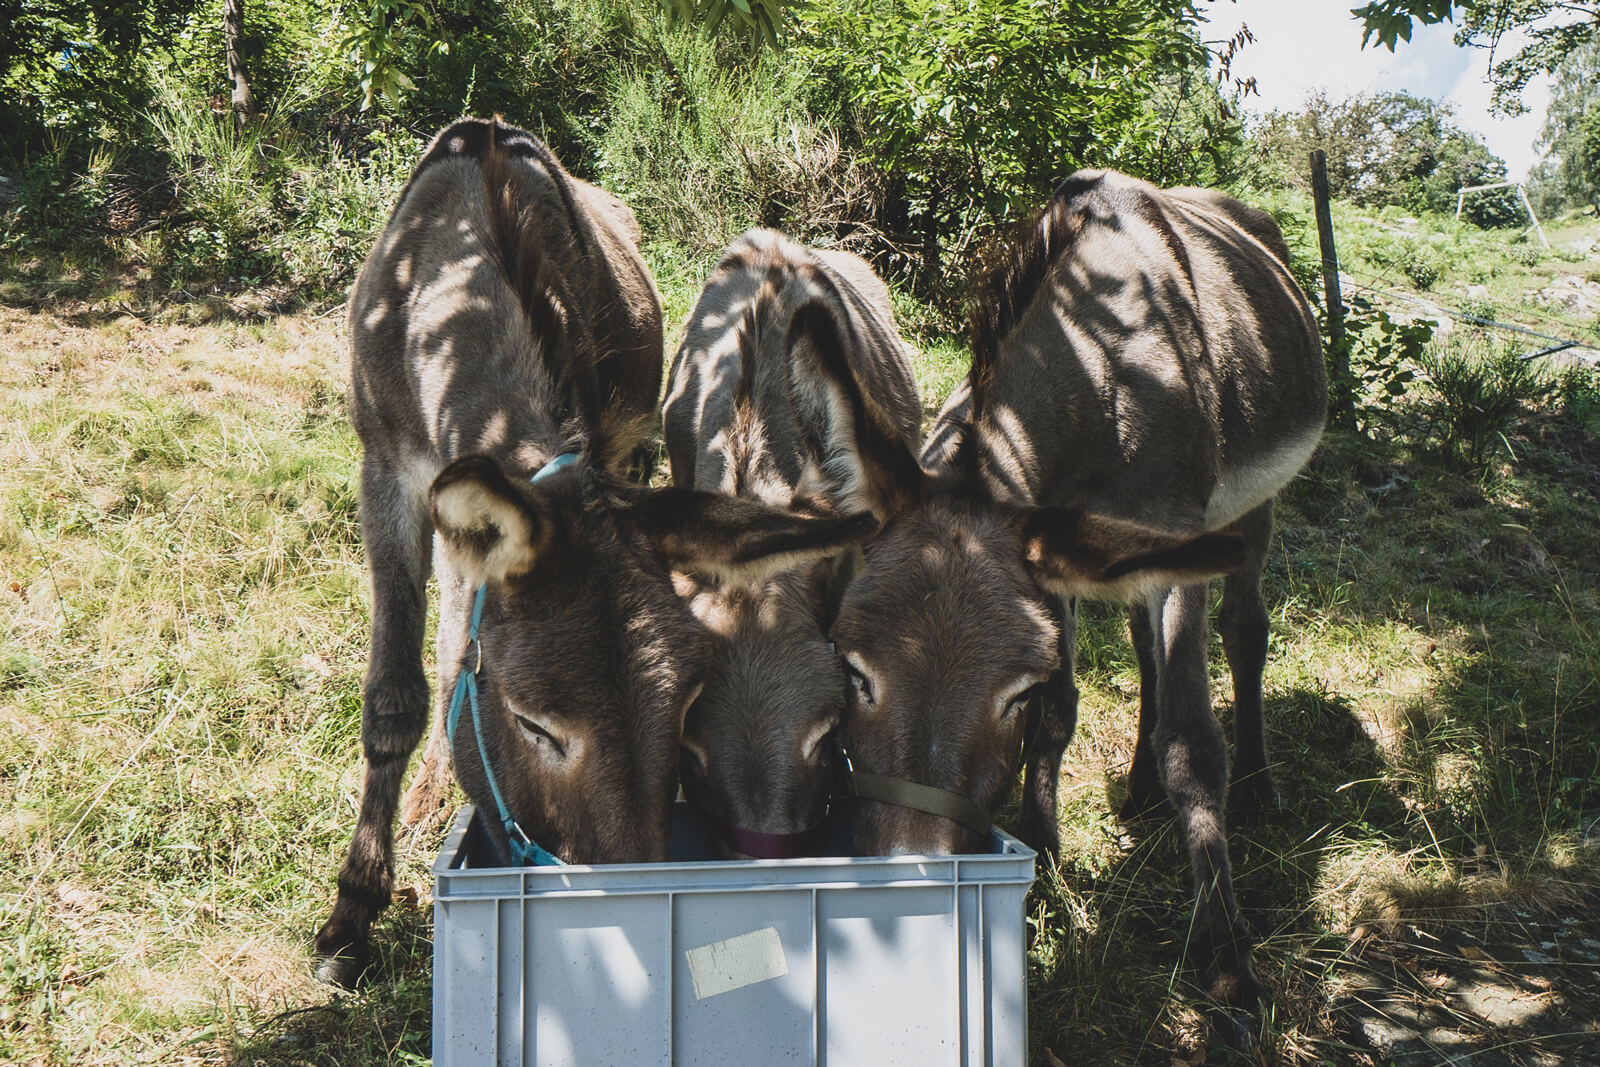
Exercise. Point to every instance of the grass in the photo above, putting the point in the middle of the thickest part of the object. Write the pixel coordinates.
(1502, 275)
(184, 611)
(1422, 706)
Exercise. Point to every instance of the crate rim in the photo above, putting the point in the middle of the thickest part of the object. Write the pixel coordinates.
(1009, 853)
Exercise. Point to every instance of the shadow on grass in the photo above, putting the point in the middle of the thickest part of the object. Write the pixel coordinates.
(94, 290)
(1422, 894)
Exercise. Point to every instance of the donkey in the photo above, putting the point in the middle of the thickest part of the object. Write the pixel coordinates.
(506, 350)
(752, 411)
(1146, 375)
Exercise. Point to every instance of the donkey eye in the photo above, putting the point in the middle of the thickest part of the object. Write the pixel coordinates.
(1019, 703)
(859, 684)
(540, 735)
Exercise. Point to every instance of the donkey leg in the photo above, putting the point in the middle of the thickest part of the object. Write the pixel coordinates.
(429, 793)
(1243, 623)
(394, 707)
(1042, 751)
(1192, 757)
(1144, 785)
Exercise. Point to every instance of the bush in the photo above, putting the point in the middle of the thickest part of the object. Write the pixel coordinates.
(1577, 387)
(1476, 395)
(1382, 356)
(226, 175)
(54, 204)
(335, 207)
(1420, 263)
(1528, 254)
(973, 112)
(702, 153)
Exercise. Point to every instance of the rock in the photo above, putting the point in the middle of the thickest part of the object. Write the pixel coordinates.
(1576, 294)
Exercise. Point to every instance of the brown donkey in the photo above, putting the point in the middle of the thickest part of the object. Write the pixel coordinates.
(1142, 362)
(752, 410)
(506, 345)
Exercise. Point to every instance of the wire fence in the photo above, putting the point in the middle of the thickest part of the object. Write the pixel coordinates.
(1382, 288)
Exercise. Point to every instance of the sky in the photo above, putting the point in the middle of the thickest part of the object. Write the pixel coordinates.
(1302, 45)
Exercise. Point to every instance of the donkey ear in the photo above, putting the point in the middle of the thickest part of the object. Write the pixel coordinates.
(856, 459)
(733, 539)
(489, 528)
(1073, 553)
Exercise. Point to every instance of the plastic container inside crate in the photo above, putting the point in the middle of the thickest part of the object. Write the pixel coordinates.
(838, 961)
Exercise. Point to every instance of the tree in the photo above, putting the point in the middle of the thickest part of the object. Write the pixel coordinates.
(81, 64)
(1388, 148)
(244, 104)
(1555, 28)
(974, 111)
(1569, 172)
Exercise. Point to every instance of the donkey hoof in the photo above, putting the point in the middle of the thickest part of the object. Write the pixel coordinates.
(1253, 799)
(342, 961)
(343, 969)
(1234, 1028)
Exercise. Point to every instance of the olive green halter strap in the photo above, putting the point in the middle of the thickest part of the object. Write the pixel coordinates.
(914, 795)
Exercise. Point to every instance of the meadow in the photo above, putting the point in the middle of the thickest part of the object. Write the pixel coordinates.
(184, 606)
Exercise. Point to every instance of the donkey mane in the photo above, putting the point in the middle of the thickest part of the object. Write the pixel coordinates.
(1016, 270)
(1009, 281)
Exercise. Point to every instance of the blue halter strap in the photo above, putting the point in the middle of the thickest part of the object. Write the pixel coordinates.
(524, 850)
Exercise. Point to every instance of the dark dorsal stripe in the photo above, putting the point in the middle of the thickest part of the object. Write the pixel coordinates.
(472, 139)
(1149, 209)
(523, 243)
(746, 428)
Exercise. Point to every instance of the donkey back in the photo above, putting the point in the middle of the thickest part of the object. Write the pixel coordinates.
(787, 351)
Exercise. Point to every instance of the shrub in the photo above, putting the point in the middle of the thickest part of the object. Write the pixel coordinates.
(1476, 395)
(1528, 254)
(1420, 263)
(334, 207)
(54, 203)
(1577, 387)
(226, 175)
(701, 153)
(1382, 355)
(973, 112)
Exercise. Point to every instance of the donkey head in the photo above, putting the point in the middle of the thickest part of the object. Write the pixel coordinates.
(947, 638)
(588, 656)
(758, 751)
(759, 756)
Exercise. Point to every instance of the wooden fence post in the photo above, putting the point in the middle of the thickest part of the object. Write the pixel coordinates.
(1344, 410)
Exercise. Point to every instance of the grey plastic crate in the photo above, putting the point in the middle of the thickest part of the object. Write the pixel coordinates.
(843, 962)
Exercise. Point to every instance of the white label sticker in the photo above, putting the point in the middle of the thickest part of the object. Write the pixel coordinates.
(724, 966)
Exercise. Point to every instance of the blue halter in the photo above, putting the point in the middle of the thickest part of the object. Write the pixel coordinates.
(524, 850)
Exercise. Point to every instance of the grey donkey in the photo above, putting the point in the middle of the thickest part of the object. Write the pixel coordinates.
(1146, 376)
(506, 352)
(755, 409)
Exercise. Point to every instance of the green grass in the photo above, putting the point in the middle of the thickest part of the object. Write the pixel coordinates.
(1490, 274)
(184, 605)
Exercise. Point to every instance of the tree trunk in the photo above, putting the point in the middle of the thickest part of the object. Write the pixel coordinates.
(244, 104)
